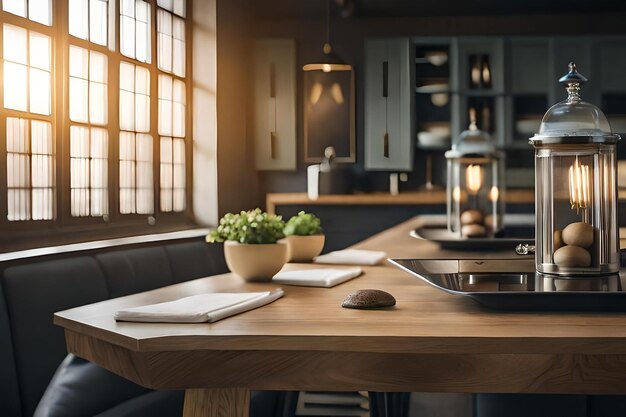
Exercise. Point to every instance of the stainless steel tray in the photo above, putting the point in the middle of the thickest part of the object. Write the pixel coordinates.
(519, 290)
(508, 239)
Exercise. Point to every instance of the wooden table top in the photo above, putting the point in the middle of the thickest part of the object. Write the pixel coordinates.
(430, 341)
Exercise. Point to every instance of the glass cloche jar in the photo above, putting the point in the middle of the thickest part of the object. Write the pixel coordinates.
(475, 185)
(575, 187)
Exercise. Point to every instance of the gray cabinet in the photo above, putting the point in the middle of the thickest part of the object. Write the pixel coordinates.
(389, 97)
(275, 104)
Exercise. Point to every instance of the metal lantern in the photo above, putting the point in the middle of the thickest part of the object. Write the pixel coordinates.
(576, 187)
(475, 185)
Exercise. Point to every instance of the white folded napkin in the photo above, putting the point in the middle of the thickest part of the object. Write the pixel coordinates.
(351, 257)
(199, 308)
(321, 277)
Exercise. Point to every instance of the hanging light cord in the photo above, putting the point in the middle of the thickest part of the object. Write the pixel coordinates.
(327, 46)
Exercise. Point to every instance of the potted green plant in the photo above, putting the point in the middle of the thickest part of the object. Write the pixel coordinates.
(251, 244)
(304, 236)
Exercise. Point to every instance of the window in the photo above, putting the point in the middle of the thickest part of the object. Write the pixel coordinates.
(95, 128)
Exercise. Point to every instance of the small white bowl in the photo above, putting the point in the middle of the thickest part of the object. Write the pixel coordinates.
(437, 58)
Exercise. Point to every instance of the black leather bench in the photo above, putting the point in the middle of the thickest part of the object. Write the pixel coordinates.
(32, 349)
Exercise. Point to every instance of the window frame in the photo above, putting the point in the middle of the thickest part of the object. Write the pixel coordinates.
(64, 225)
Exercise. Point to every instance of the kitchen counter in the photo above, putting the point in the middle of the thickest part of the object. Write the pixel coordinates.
(513, 196)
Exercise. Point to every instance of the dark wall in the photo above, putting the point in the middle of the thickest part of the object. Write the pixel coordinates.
(347, 36)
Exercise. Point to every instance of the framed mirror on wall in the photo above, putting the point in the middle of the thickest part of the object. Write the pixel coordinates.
(329, 112)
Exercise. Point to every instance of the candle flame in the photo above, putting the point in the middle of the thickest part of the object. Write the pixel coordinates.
(579, 186)
(473, 178)
(494, 194)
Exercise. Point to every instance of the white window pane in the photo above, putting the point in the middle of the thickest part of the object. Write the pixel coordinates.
(17, 7)
(166, 150)
(127, 110)
(145, 201)
(39, 91)
(166, 176)
(142, 42)
(99, 143)
(17, 135)
(142, 113)
(144, 148)
(128, 8)
(127, 76)
(164, 44)
(40, 11)
(127, 146)
(79, 171)
(178, 120)
(14, 44)
(41, 138)
(179, 200)
(166, 4)
(39, 51)
(98, 67)
(78, 18)
(142, 81)
(165, 117)
(179, 7)
(127, 36)
(166, 200)
(142, 11)
(98, 173)
(78, 100)
(98, 10)
(98, 103)
(99, 202)
(79, 142)
(178, 59)
(15, 86)
(18, 205)
(79, 62)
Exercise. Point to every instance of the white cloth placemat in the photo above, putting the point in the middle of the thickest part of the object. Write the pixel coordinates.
(199, 308)
(320, 277)
(351, 257)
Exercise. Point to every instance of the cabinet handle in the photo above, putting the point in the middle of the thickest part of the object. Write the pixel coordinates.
(386, 95)
(386, 145)
(272, 110)
(385, 79)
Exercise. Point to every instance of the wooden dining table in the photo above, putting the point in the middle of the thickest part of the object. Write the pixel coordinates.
(431, 341)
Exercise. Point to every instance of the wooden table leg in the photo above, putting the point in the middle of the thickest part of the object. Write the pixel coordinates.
(227, 402)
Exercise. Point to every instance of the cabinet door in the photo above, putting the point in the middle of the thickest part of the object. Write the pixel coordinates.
(389, 97)
(275, 104)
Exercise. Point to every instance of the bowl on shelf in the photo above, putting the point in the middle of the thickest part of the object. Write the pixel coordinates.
(528, 126)
(434, 135)
(433, 88)
(437, 58)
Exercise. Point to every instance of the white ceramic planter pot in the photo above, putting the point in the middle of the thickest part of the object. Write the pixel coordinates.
(304, 248)
(255, 262)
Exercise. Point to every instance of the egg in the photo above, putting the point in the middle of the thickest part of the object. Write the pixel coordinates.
(572, 256)
(578, 234)
(557, 241)
(473, 230)
(471, 217)
(489, 221)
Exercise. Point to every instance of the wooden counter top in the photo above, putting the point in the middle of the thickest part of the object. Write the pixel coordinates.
(514, 196)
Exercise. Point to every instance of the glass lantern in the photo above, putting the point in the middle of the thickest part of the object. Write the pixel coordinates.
(475, 206)
(576, 188)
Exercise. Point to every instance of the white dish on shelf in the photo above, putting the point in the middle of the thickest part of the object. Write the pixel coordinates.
(437, 58)
(436, 139)
(433, 88)
(528, 126)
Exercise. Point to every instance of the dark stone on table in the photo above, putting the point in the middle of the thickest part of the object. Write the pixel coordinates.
(368, 298)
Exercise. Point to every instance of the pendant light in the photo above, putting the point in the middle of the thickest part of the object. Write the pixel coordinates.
(329, 61)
